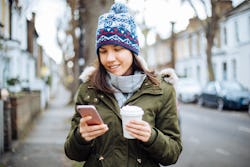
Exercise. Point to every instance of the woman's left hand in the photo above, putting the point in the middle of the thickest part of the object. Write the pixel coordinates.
(139, 129)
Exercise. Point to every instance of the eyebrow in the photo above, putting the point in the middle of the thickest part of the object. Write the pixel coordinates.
(102, 48)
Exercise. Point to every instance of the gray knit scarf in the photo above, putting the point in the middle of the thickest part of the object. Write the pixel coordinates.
(125, 86)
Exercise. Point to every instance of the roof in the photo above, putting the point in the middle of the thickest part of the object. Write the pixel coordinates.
(245, 5)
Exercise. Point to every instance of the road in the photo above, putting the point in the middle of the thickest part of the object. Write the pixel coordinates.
(214, 138)
(210, 139)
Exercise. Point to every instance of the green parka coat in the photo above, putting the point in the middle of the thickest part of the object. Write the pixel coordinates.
(112, 149)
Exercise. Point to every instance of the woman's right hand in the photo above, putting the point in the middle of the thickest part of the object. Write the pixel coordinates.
(91, 132)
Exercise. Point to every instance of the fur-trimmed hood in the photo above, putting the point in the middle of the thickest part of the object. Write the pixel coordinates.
(169, 75)
(86, 74)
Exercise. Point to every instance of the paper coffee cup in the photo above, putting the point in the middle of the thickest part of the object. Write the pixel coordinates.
(130, 113)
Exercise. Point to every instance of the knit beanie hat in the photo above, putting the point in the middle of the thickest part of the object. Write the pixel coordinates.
(117, 28)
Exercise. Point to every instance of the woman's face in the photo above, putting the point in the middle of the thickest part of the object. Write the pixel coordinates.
(116, 59)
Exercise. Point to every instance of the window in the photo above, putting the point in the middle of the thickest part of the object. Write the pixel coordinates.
(185, 72)
(215, 70)
(198, 44)
(190, 45)
(234, 67)
(225, 35)
(198, 72)
(236, 27)
(248, 27)
(210, 88)
(224, 72)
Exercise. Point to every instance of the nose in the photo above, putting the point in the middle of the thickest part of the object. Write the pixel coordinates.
(111, 56)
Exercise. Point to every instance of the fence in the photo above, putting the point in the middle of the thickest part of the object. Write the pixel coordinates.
(16, 115)
(23, 110)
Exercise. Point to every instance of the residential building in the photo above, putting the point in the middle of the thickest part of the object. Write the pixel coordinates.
(21, 57)
(233, 60)
(230, 53)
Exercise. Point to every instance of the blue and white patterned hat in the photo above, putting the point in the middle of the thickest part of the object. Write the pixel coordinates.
(117, 28)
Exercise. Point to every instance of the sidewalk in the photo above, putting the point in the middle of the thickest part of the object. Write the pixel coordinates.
(43, 146)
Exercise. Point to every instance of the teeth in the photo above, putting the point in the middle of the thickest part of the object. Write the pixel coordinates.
(112, 67)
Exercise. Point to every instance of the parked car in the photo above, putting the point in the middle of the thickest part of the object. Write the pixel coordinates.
(226, 94)
(188, 90)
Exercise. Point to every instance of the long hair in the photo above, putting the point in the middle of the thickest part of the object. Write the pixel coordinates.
(99, 80)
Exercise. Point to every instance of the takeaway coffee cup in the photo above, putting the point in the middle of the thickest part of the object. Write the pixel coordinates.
(130, 113)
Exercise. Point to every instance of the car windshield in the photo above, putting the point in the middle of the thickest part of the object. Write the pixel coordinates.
(232, 86)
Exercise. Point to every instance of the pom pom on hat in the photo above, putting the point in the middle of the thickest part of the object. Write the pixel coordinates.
(119, 8)
(117, 28)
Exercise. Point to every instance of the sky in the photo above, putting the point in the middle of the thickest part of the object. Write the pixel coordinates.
(157, 14)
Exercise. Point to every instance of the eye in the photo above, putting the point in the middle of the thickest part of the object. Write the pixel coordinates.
(102, 51)
(118, 48)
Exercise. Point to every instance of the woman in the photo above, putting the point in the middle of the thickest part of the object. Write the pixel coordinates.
(120, 79)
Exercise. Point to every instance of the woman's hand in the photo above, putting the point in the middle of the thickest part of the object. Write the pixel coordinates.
(139, 129)
(91, 132)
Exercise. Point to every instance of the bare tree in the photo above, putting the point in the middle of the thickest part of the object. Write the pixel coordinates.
(210, 25)
(90, 11)
(84, 17)
(71, 73)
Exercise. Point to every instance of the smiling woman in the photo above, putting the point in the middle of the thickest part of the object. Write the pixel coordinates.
(119, 80)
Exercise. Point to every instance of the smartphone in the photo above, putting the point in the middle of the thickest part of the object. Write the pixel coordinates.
(90, 110)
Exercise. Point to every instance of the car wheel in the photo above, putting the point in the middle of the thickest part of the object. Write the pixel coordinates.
(200, 102)
(220, 104)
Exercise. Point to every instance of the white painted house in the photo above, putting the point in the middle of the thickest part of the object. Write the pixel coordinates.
(231, 51)
(234, 61)
(20, 55)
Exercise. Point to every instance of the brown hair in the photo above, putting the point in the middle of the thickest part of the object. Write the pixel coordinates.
(99, 81)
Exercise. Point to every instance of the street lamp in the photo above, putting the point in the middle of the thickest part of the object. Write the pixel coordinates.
(172, 45)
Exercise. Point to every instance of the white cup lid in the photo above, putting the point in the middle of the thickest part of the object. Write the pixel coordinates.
(131, 110)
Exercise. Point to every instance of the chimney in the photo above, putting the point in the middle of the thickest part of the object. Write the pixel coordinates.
(194, 24)
(223, 6)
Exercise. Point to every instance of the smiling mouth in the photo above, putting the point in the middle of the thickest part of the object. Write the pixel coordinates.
(113, 67)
